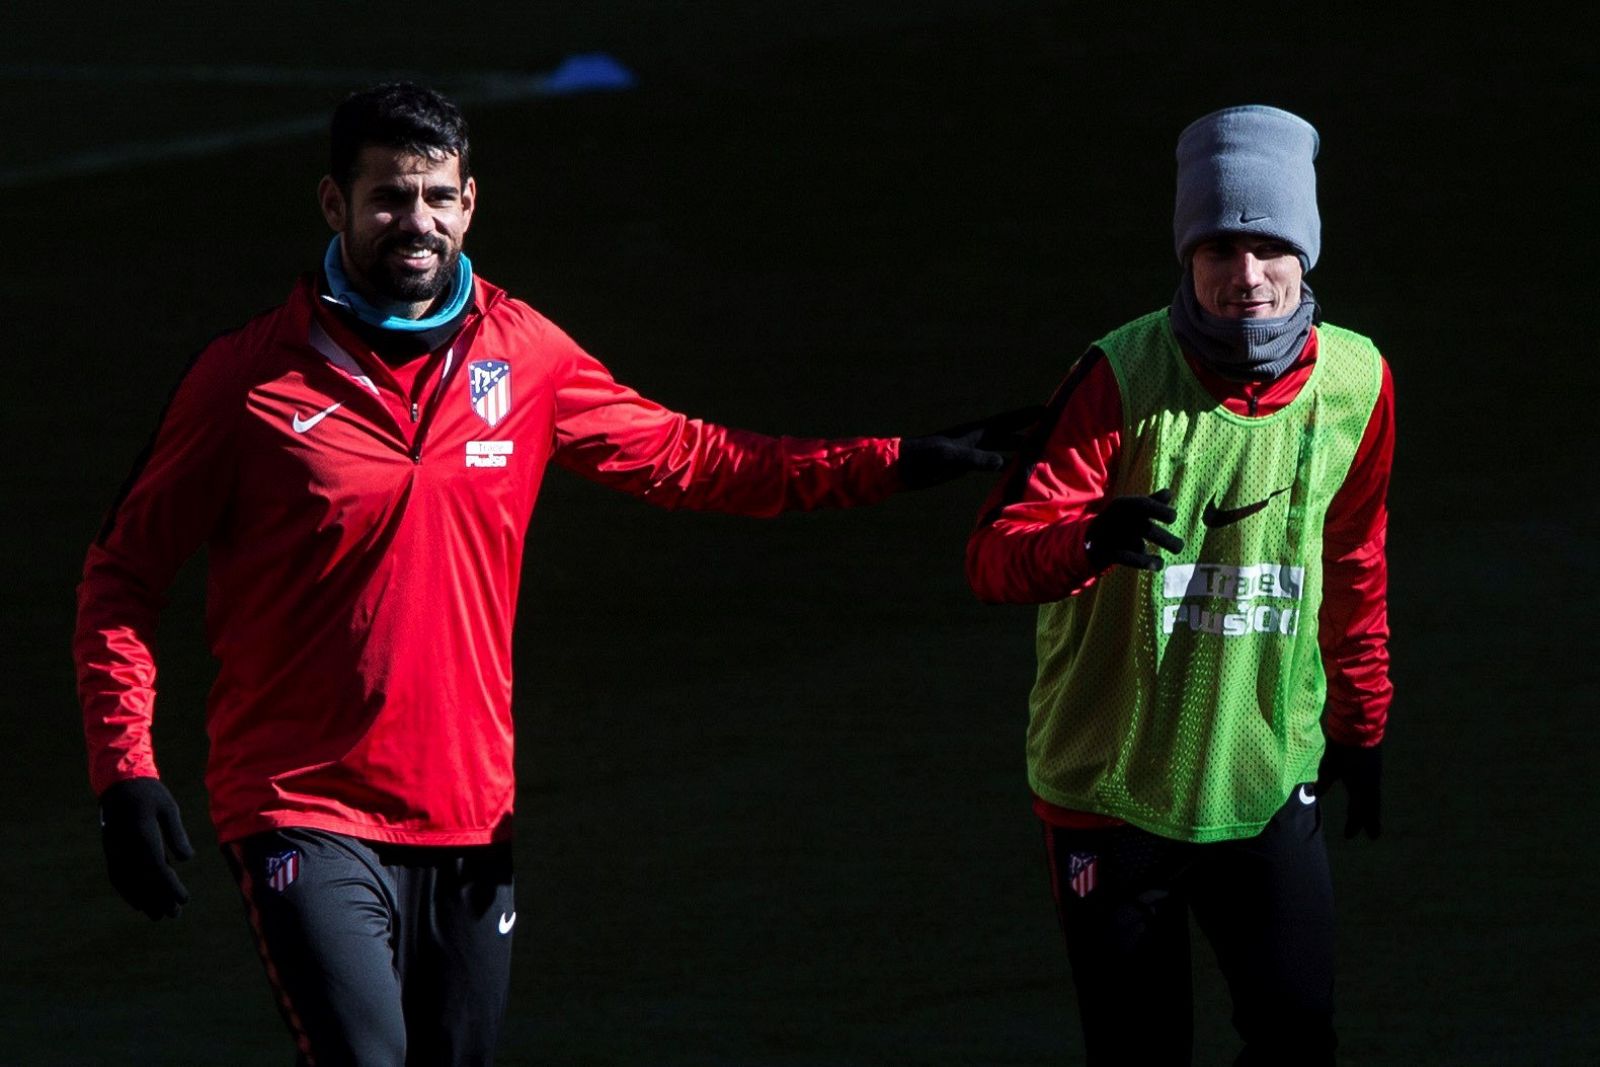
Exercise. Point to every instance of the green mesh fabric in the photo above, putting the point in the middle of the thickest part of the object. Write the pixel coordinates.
(1188, 701)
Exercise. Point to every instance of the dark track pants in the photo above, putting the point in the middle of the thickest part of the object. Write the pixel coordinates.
(381, 955)
(1265, 903)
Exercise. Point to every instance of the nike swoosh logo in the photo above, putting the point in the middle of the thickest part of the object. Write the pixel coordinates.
(1252, 218)
(507, 922)
(1307, 798)
(1216, 517)
(302, 425)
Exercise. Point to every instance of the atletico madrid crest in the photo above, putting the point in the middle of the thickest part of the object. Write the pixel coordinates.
(283, 868)
(1081, 872)
(489, 384)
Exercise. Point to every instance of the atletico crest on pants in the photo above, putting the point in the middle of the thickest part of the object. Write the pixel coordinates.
(283, 868)
(1081, 872)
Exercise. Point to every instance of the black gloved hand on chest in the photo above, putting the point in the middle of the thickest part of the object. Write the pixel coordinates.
(1118, 534)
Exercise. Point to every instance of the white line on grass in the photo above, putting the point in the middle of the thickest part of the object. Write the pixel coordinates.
(481, 87)
(242, 74)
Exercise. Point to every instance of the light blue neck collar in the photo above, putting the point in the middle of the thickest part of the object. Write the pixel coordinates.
(385, 316)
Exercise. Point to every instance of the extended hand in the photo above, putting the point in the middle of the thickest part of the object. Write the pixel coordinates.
(1118, 534)
(1361, 767)
(139, 827)
(972, 446)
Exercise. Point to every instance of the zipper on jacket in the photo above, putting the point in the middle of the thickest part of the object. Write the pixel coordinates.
(433, 403)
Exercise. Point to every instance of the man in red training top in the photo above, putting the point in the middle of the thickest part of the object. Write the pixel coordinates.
(361, 464)
(1203, 526)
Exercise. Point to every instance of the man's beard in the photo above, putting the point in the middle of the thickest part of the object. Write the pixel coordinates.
(407, 287)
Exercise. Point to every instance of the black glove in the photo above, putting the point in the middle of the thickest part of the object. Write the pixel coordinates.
(140, 827)
(1118, 534)
(1361, 767)
(972, 446)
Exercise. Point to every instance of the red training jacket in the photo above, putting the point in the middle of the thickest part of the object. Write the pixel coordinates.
(364, 565)
(1029, 545)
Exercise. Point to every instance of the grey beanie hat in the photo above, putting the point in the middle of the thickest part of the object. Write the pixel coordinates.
(1248, 170)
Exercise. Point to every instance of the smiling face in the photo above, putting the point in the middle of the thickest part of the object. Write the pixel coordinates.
(1239, 276)
(403, 220)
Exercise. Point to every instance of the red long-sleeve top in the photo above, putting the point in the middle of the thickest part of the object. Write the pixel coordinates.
(1028, 546)
(365, 531)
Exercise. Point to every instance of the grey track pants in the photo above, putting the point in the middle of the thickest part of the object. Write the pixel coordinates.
(381, 955)
(1125, 898)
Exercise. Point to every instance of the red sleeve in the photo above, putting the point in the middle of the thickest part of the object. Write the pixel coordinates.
(1353, 626)
(610, 434)
(1028, 548)
(166, 508)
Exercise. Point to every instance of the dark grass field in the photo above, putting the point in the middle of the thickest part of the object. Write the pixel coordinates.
(772, 804)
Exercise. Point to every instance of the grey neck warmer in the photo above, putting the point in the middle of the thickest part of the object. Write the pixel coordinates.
(1257, 350)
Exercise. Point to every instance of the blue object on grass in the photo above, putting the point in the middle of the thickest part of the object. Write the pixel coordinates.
(587, 73)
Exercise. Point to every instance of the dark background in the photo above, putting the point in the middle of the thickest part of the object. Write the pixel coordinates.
(772, 805)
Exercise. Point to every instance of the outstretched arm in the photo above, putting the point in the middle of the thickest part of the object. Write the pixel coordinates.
(608, 433)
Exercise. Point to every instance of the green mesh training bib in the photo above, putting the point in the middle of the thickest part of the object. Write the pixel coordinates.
(1188, 701)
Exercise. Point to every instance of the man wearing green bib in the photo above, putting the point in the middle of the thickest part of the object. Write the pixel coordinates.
(1202, 523)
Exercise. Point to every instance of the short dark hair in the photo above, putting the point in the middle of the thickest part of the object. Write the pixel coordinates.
(400, 115)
